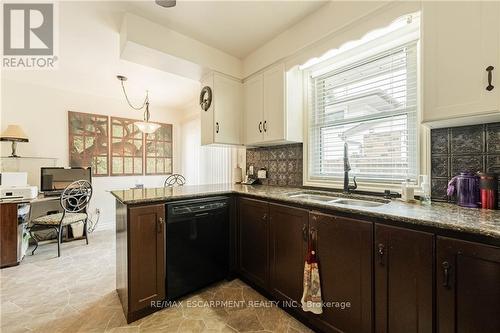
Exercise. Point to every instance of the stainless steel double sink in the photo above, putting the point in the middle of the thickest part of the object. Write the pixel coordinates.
(338, 199)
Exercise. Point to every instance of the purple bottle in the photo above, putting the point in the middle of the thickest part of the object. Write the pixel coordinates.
(466, 186)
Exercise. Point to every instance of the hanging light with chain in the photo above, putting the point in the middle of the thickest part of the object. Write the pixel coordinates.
(144, 126)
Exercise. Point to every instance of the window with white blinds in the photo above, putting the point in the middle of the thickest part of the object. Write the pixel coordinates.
(372, 106)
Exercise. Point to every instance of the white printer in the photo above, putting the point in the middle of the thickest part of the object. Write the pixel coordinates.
(14, 185)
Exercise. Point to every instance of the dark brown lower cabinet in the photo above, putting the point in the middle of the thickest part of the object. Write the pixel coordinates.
(288, 246)
(403, 280)
(467, 287)
(389, 279)
(140, 250)
(254, 241)
(344, 249)
(147, 260)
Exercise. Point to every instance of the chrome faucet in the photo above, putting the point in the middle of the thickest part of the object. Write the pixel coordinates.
(347, 167)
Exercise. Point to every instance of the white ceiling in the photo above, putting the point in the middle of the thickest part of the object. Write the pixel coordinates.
(89, 60)
(235, 27)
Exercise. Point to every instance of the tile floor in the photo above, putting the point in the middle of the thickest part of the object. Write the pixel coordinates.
(76, 293)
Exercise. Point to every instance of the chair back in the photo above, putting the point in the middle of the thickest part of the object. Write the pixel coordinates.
(76, 196)
(174, 179)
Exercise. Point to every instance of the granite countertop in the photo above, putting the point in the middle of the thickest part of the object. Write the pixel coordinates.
(438, 215)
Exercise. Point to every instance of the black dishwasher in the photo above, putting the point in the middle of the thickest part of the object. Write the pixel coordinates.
(197, 244)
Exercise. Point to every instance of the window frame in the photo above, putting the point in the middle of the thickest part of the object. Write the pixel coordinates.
(365, 51)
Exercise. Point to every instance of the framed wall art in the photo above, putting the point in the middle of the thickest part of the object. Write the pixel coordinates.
(114, 146)
(89, 142)
(159, 151)
(127, 148)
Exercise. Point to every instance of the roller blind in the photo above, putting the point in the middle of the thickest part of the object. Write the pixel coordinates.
(205, 164)
(372, 106)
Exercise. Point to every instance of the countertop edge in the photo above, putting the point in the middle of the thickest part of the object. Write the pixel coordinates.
(173, 198)
(398, 219)
(385, 216)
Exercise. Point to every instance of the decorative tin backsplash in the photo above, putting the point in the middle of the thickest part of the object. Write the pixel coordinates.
(456, 149)
(283, 164)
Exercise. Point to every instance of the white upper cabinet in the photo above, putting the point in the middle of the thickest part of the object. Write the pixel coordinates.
(460, 41)
(274, 121)
(222, 122)
(253, 92)
(273, 107)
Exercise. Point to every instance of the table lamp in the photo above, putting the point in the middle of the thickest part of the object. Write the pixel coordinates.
(14, 134)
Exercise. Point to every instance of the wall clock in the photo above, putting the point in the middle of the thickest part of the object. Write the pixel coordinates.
(205, 98)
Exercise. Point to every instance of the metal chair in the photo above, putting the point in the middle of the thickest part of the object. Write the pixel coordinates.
(174, 179)
(74, 201)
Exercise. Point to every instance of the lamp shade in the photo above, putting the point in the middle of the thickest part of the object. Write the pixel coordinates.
(14, 133)
(166, 3)
(146, 126)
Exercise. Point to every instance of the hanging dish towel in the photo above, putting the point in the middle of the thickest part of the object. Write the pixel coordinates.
(311, 297)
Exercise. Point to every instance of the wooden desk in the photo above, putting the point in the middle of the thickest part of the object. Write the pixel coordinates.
(39, 198)
(11, 227)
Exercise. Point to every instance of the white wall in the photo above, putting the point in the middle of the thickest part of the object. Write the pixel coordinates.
(42, 112)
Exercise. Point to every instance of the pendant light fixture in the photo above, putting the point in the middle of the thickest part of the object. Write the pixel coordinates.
(166, 3)
(144, 126)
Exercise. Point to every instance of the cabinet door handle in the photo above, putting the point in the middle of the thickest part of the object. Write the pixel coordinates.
(304, 233)
(264, 217)
(160, 225)
(260, 126)
(381, 252)
(446, 274)
(490, 69)
(265, 125)
(313, 237)
(216, 127)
